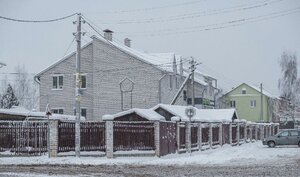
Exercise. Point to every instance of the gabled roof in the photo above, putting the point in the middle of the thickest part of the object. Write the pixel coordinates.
(204, 115)
(149, 114)
(266, 93)
(62, 60)
(161, 61)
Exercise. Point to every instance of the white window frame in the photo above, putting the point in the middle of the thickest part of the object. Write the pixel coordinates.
(74, 111)
(52, 110)
(231, 105)
(58, 86)
(244, 90)
(85, 75)
(253, 103)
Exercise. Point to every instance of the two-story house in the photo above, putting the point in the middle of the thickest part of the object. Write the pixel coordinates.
(247, 100)
(116, 77)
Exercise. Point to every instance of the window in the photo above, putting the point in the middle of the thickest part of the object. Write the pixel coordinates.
(244, 91)
(58, 82)
(294, 133)
(232, 103)
(285, 133)
(83, 112)
(83, 82)
(253, 103)
(57, 111)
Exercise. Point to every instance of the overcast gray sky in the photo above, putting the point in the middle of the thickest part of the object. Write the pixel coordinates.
(236, 40)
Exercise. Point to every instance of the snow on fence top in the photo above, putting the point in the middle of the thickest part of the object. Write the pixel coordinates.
(203, 115)
(149, 114)
(31, 115)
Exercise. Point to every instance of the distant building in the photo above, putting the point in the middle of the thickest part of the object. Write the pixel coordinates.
(116, 77)
(246, 99)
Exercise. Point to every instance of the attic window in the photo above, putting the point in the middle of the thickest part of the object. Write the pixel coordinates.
(244, 91)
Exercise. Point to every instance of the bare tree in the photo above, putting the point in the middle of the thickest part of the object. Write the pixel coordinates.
(288, 83)
(26, 88)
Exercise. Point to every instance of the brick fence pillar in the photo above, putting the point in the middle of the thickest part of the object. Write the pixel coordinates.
(230, 133)
(188, 143)
(199, 133)
(238, 133)
(210, 135)
(157, 138)
(53, 138)
(178, 135)
(109, 139)
(246, 132)
(221, 134)
(256, 132)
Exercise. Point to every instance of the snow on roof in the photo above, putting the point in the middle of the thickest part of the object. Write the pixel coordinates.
(149, 114)
(204, 115)
(268, 94)
(21, 111)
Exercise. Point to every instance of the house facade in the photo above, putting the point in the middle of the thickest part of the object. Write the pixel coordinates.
(246, 99)
(114, 78)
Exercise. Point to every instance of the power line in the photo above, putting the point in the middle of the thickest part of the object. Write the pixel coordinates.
(242, 7)
(69, 46)
(231, 23)
(152, 8)
(37, 21)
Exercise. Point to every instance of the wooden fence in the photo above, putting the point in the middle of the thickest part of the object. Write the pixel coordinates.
(30, 137)
(23, 137)
(92, 136)
(133, 136)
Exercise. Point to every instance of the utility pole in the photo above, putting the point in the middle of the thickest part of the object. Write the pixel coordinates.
(193, 81)
(77, 90)
(261, 104)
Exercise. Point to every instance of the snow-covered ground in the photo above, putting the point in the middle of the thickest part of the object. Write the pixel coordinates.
(249, 153)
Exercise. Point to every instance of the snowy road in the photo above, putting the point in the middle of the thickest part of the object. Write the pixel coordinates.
(251, 159)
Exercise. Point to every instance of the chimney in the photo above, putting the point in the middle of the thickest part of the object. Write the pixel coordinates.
(174, 65)
(181, 67)
(127, 42)
(108, 34)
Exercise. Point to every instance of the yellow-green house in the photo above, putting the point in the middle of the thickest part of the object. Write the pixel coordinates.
(247, 101)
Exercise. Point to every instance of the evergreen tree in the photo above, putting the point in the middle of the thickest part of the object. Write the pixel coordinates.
(9, 99)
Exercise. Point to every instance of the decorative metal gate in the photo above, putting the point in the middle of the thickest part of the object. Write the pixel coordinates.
(167, 138)
(23, 137)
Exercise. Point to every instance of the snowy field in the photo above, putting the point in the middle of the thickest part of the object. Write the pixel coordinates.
(250, 159)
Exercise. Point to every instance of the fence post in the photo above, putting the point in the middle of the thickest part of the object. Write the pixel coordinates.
(210, 135)
(251, 135)
(230, 133)
(199, 136)
(277, 128)
(238, 132)
(178, 135)
(188, 142)
(157, 138)
(256, 132)
(263, 132)
(273, 129)
(53, 138)
(109, 138)
(246, 133)
(221, 134)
